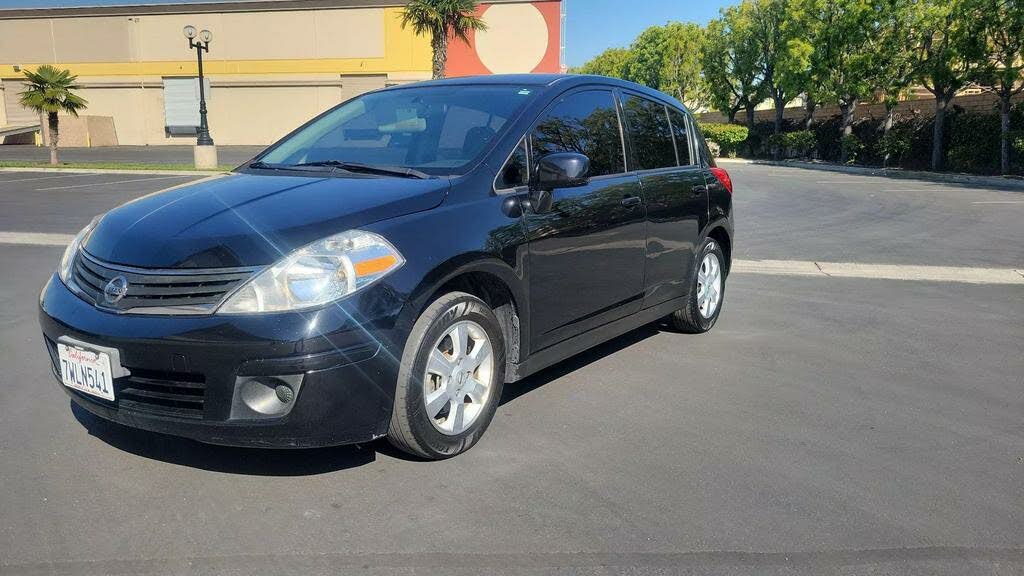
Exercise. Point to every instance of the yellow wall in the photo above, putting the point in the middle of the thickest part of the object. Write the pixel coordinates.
(281, 68)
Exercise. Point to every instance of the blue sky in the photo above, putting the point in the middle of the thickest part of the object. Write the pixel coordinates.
(591, 25)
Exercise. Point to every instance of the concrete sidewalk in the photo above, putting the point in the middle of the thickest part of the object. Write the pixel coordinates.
(230, 155)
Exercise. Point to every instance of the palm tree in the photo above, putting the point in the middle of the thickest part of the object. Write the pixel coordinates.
(439, 18)
(49, 91)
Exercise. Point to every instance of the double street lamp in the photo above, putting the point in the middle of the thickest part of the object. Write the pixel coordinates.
(200, 46)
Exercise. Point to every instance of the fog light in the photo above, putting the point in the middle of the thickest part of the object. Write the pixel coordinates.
(259, 397)
(284, 393)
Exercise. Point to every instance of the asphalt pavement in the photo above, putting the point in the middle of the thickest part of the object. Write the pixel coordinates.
(826, 426)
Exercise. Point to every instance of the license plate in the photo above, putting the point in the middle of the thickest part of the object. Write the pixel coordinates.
(86, 370)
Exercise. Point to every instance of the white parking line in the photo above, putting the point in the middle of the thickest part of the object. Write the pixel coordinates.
(45, 178)
(109, 183)
(36, 238)
(1001, 202)
(880, 271)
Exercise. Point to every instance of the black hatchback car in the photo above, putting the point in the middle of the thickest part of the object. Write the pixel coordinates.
(386, 268)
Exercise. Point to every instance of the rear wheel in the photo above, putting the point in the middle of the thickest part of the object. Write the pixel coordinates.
(707, 291)
(450, 380)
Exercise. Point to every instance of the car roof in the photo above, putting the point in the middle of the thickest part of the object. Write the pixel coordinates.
(547, 81)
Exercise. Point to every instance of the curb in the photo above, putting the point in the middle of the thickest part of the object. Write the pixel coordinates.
(998, 182)
(116, 171)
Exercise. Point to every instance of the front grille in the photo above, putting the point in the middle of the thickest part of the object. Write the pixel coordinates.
(165, 393)
(156, 291)
(177, 394)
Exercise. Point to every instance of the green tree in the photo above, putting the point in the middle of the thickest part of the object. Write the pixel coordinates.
(998, 26)
(611, 62)
(647, 57)
(731, 65)
(439, 18)
(841, 59)
(946, 58)
(893, 49)
(681, 70)
(49, 90)
(771, 36)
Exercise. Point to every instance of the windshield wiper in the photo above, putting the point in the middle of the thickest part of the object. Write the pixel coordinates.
(261, 165)
(399, 171)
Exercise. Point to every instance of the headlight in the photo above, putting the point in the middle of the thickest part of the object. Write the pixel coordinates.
(68, 259)
(321, 272)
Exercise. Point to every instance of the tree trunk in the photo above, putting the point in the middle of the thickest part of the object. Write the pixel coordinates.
(890, 110)
(750, 116)
(440, 46)
(731, 115)
(809, 107)
(51, 121)
(780, 109)
(941, 104)
(848, 108)
(1004, 133)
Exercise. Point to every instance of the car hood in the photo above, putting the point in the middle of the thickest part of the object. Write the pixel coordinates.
(250, 220)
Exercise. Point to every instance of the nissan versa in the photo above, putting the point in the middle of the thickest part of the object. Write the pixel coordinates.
(386, 268)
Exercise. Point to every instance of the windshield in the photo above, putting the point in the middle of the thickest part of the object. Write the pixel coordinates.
(437, 130)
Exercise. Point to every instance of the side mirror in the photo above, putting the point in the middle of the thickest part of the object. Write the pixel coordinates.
(561, 170)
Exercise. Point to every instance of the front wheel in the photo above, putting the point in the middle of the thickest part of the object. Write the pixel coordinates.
(450, 380)
(707, 291)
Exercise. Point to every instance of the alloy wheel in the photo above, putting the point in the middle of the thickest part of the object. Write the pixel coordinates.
(457, 383)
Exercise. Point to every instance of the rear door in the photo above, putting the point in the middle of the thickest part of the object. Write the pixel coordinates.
(587, 251)
(674, 190)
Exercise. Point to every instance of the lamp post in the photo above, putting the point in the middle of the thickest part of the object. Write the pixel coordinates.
(203, 45)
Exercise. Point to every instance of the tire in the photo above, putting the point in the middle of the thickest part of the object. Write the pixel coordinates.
(692, 319)
(436, 433)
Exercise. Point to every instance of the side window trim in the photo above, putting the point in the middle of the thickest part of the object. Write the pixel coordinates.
(675, 145)
(525, 143)
(620, 113)
(696, 156)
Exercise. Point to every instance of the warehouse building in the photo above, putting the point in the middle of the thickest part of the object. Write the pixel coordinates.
(272, 64)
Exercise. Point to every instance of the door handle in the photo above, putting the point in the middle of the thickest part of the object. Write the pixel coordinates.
(699, 189)
(630, 201)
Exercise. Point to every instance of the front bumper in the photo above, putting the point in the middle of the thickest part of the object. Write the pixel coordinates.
(344, 356)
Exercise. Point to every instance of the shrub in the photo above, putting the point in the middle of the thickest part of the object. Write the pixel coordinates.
(801, 143)
(895, 145)
(727, 136)
(974, 143)
(775, 145)
(852, 147)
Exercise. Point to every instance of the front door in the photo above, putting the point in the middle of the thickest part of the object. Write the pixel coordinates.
(587, 251)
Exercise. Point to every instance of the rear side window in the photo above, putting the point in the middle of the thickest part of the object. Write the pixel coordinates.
(650, 133)
(679, 131)
(583, 122)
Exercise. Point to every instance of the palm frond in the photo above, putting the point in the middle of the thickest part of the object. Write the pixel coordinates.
(50, 89)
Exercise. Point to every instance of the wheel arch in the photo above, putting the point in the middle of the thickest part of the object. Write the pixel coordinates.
(492, 280)
(719, 231)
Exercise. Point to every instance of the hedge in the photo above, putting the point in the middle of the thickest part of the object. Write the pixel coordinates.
(971, 141)
(727, 136)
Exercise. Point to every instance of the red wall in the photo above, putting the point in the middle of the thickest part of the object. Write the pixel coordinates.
(463, 59)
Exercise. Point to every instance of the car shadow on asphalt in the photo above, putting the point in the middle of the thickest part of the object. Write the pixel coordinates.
(311, 461)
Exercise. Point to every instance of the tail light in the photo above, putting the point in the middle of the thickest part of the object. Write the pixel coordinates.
(723, 177)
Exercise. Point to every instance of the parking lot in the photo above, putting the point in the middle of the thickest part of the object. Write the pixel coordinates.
(850, 425)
